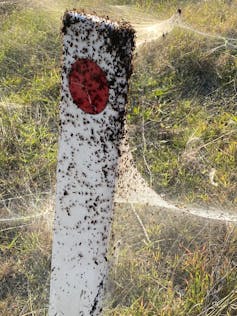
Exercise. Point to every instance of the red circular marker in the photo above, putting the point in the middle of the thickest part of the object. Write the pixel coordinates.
(88, 86)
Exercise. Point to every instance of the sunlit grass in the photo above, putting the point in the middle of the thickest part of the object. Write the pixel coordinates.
(184, 92)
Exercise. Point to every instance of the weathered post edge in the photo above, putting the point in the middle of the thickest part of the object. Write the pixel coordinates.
(97, 55)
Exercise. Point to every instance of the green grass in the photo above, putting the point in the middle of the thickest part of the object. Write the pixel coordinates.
(187, 269)
(29, 66)
(189, 112)
(183, 91)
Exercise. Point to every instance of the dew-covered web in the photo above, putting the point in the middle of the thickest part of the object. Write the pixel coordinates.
(132, 188)
(141, 210)
(140, 206)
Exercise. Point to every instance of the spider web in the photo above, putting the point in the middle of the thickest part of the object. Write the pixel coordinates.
(132, 189)
(137, 205)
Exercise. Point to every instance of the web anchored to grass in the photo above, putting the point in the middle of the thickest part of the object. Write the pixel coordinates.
(181, 119)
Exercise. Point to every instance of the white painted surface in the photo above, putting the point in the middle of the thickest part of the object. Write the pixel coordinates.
(87, 167)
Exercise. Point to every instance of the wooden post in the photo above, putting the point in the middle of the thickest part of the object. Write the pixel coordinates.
(97, 56)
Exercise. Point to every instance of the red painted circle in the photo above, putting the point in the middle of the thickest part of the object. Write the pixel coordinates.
(88, 86)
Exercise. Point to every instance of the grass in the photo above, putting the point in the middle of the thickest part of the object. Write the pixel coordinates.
(188, 119)
(187, 269)
(189, 111)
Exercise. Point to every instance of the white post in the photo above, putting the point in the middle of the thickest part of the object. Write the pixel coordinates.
(96, 67)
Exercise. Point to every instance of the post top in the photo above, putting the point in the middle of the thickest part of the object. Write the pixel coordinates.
(74, 16)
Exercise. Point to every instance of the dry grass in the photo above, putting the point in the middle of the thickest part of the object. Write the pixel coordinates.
(186, 266)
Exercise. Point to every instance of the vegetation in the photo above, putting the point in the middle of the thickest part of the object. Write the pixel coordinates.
(189, 109)
(183, 103)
